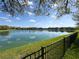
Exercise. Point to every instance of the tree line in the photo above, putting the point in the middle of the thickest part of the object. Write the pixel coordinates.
(70, 29)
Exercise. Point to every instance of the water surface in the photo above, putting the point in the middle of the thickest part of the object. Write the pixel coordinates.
(15, 38)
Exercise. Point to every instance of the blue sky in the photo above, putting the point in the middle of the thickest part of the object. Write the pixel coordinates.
(30, 20)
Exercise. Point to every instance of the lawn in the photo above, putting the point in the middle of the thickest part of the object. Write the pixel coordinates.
(16, 53)
(73, 52)
(3, 30)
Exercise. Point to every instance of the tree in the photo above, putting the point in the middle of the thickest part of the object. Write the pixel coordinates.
(11, 6)
(76, 18)
(41, 7)
(76, 14)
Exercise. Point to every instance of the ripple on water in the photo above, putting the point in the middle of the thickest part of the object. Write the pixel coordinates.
(9, 42)
(18, 39)
(8, 37)
(32, 37)
(4, 39)
(1, 46)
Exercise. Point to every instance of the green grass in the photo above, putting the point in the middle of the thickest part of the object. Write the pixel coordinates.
(73, 52)
(16, 53)
(3, 30)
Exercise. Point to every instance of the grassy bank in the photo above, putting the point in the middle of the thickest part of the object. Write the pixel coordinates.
(3, 30)
(73, 52)
(16, 53)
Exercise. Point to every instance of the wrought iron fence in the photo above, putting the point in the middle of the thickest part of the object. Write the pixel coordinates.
(53, 51)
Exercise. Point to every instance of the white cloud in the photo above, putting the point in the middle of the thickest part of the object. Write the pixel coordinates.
(30, 3)
(53, 16)
(5, 19)
(31, 7)
(25, 11)
(9, 15)
(54, 5)
(8, 20)
(30, 13)
(32, 20)
(17, 18)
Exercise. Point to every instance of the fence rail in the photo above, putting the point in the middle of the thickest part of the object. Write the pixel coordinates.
(53, 51)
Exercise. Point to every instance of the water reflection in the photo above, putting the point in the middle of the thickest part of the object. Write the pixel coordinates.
(15, 38)
(4, 33)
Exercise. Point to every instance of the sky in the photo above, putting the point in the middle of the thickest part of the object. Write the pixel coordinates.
(36, 21)
(31, 20)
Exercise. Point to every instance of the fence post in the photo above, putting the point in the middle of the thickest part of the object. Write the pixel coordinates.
(64, 49)
(42, 52)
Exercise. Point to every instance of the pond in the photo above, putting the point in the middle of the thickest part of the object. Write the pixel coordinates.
(15, 38)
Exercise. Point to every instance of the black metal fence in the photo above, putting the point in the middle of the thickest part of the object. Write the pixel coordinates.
(53, 51)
